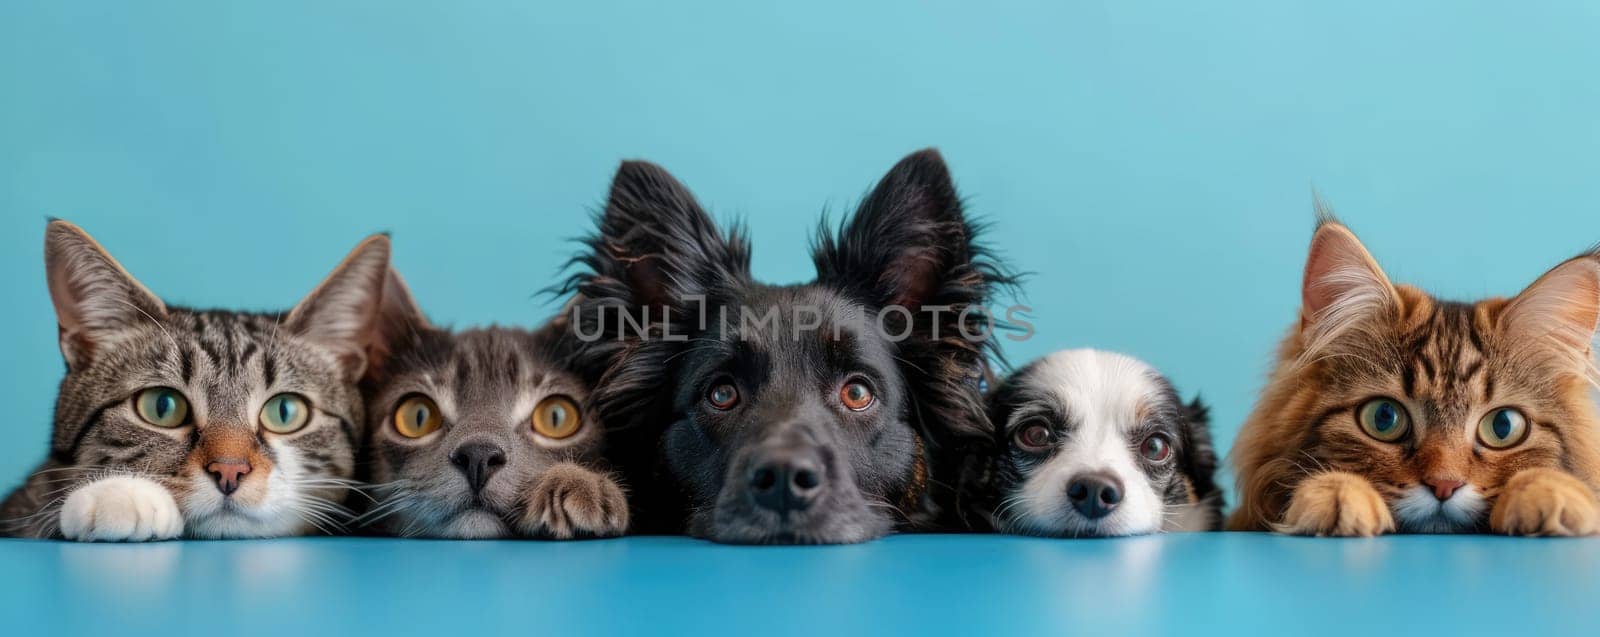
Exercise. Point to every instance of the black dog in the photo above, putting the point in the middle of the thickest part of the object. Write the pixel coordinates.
(753, 413)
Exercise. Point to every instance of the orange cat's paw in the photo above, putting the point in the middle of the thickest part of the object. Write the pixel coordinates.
(1338, 504)
(568, 501)
(1545, 502)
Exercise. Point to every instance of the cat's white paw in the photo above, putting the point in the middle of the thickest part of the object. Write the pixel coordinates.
(121, 509)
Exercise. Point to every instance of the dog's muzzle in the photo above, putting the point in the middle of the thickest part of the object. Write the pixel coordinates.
(787, 478)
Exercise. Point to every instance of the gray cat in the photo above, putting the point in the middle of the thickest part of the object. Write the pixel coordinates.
(481, 433)
(210, 424)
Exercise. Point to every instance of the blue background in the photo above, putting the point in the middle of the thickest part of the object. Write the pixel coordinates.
(1151, 162)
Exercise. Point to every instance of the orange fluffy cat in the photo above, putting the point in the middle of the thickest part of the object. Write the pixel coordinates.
(1390, 410)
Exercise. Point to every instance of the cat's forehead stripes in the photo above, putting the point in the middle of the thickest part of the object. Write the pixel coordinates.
(1446, 357)
(496, 361)
(230, 342)
(489, 365)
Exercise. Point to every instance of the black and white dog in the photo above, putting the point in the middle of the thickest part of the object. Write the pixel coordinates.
(809, 413)
(1091, 443)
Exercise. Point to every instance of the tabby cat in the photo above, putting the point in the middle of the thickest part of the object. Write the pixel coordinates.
(1390, 410)
(185, 423)
(481, 433)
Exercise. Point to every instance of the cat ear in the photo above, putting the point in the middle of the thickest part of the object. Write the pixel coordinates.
(1343, 283)
(1561, 307)
(95, 299)
(658, 243)
(399, 320)
(906, 241)
(341, 313)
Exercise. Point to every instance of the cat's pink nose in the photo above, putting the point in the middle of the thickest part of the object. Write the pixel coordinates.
(1444, 488)
(227, 471)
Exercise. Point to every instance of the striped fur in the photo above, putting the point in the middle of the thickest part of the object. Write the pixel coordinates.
(110, 475)
(1305, 464)
(486, 383)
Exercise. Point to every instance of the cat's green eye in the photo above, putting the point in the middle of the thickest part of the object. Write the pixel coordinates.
(1384, 419)
(417, 416)
(285, 413)
(162, 407)
(1503, 428)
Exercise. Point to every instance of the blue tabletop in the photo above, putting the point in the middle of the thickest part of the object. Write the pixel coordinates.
(927, 584)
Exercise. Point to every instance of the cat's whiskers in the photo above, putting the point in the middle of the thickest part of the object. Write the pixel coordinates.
(49, 514)
(392, 497)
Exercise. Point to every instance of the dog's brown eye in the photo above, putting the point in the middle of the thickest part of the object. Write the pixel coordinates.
(1035, 437)
(1155, 448)
(856, 396)
(723, 396)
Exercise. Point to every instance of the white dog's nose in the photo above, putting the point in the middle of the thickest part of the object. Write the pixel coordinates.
(1095, 495)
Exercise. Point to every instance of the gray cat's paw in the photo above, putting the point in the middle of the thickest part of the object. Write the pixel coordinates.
(121, 509)
(569, 500)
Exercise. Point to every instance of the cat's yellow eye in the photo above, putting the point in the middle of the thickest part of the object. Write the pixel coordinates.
(285, 413)
(162, 407)
(1384, 419)
(417, 416)
(556, 417)
(1503, 428)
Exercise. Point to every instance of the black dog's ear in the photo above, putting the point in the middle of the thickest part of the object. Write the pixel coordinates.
(655, 244)
(910, 246)
(653, 248)
(907, 243)
(1199, 463)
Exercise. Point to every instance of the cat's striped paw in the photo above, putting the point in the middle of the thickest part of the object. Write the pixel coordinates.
(1337, 504)
(1545, 502)
(570, 501)
(121, 509)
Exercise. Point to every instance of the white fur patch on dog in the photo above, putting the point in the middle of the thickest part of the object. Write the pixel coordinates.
(1103, 392)
(121, 509)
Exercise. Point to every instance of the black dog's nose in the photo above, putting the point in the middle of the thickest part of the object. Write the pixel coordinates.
(1095, 495)
(478, 461)
(785, 481)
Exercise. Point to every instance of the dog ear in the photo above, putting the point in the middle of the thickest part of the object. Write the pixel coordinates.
(911, 252)
(907, 243)
(94, 297)
(1199, 461)
(655, 244)
(653, 247)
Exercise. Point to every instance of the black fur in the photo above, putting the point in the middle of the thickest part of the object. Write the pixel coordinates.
(908, 244)
(1199, 462)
